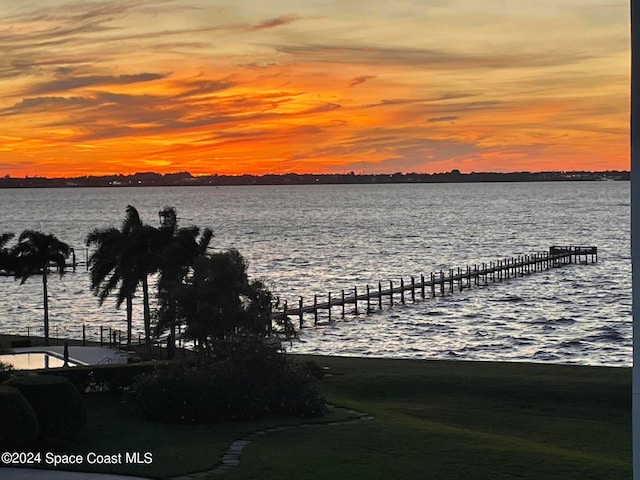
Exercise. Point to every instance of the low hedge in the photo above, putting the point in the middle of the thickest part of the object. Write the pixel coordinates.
(19, 421)
(57, 404)
(114, 377)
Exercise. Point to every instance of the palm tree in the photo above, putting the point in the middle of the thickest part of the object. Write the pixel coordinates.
(124, 258)
(35, 252)
(217, 299)
(179, 248)
(140, 259)
(106, 270)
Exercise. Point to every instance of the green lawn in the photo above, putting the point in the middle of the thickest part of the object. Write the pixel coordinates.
(459, 420)
(176, 449)
(432, 419)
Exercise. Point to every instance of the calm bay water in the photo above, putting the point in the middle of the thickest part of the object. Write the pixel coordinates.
(315, 239)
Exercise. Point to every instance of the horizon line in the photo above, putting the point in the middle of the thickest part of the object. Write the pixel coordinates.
(344, 174)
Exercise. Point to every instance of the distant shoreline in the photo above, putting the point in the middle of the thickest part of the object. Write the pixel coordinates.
(150, 179)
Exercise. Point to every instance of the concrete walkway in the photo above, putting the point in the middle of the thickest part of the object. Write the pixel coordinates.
(29, 474)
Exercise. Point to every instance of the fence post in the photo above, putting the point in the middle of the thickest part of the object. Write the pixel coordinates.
(329, 296)
(380, 295)
(401, 290)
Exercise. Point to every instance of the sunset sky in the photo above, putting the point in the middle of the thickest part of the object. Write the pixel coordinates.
(313, 86)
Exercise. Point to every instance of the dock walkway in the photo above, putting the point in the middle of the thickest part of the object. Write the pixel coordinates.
(441, 282)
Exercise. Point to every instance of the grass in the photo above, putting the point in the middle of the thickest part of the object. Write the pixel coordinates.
(467, 420)
(176, 449)
(432, 419)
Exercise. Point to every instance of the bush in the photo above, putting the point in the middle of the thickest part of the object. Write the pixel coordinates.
(19, 422)
(245, 379)
(115, 377)
(6, 370)
(57, 404)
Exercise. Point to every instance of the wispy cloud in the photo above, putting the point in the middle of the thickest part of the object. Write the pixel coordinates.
(423, 57)
(361, 79)
(72, 83)
(443, 119)
(274, 22)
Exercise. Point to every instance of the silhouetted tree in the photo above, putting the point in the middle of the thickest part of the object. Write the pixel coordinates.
(217, 300)
(124, 258)
(35, 252)
(108, 271)
(177, 252)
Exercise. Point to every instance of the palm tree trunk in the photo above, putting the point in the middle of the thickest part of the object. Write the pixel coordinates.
(46, 306)
(147, 313)
(171, 346)
(129, 319)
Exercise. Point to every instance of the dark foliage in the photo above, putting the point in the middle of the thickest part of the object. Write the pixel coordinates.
(104, 378)
(58, 405)
(177, 250)
(123, 259)
(246, 378)
(34, 254)
(19, 422)
(217, 300)
(6, 371)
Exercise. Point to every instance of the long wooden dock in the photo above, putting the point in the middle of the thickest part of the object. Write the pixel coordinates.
(439, 283)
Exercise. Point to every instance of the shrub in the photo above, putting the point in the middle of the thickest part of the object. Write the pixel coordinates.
(297, 393)
(58, 405)
(6, 371)
(19, 422)
(115, 377)
(244, 379)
